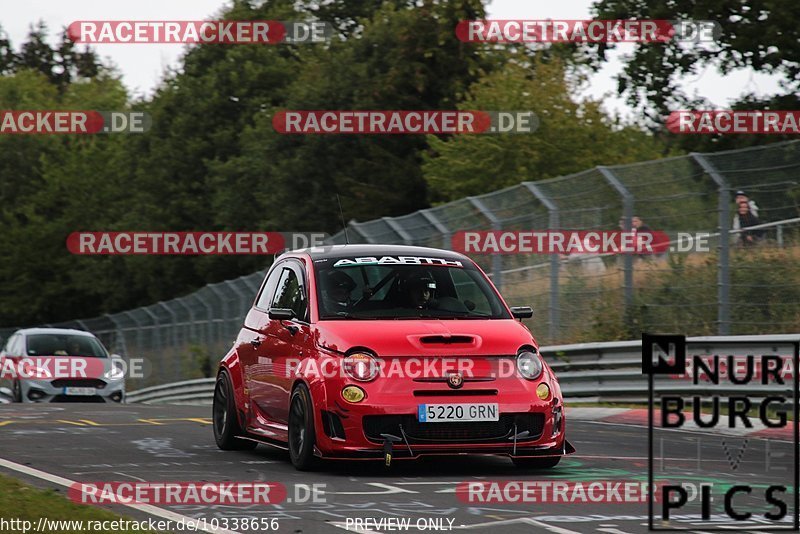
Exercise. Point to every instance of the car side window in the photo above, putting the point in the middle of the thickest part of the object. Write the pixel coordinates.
(291, 293)
(267, 294)
(16, 348)
(7, 346)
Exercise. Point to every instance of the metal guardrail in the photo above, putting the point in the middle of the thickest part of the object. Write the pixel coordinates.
(587, 372)
(200, 391)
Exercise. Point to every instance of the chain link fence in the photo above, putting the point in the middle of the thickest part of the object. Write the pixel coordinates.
(728, 290)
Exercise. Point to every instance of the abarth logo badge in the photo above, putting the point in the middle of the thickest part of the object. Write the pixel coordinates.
(455, 380)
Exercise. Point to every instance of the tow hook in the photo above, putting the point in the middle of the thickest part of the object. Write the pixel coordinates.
(388, 440)
(387, 452)
(518, 435)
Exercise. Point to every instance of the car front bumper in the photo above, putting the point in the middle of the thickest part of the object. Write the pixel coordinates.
(527, 426)
(43, 391)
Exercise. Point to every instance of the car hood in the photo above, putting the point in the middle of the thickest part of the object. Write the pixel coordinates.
(420, 337)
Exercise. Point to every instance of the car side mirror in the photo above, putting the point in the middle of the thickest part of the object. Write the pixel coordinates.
(522, 312)
(282, 314)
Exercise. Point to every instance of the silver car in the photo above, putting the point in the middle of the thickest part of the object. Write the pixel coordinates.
(106, 384)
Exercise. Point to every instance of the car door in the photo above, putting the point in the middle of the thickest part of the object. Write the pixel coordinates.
(250, 345)
(15, 351)
(285, 339)
(6, 372)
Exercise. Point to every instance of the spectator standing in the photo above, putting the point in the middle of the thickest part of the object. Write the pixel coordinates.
(639, 225)
(745, 219)
(741, 196)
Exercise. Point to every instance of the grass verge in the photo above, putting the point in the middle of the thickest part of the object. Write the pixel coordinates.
(19, 501)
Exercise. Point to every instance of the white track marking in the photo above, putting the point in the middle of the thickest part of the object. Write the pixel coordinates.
(146, 508)
(129, 476)
(526, 520)
(342, 525)
(389, 490)
(523, 520)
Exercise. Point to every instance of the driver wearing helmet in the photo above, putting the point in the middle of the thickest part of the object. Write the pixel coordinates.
(336, 289)
(418, 289)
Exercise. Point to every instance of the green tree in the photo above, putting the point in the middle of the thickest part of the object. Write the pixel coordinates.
(51, 186)
(404, 58)
(763, 35)
(573, 135)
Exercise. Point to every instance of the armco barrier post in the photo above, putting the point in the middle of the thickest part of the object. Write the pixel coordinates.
(497, 261)
(139, 331)
(723, 271)
(436, 223)
(627, 259)
(242, 304)
(222, 332)
(209, 316)
(175, 343)
(555, 263)
(119, 336)
(156, 344)
(399, 230)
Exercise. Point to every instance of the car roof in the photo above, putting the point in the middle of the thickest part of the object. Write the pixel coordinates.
(344, 251)
(72, 331)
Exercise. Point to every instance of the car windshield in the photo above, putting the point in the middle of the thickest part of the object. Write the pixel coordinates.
(64, 345)
(385, 288)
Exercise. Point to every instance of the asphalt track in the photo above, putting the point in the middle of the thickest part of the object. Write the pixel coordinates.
(51, 445)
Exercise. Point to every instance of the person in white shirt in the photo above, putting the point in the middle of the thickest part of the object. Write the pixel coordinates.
(741, 196)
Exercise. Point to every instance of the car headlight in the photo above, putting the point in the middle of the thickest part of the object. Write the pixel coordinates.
(115, 373)
(360, 366)
(529, 365)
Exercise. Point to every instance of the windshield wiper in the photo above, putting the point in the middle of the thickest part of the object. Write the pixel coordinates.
(348, 315)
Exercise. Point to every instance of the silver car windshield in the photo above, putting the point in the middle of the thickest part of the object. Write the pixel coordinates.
(64, 345)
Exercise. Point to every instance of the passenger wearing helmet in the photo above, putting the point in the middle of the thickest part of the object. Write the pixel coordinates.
(418, 289)
(336, 289)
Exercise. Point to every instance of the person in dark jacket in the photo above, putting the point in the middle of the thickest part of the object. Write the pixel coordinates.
(747, 219)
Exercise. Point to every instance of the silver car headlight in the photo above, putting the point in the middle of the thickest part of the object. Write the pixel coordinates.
(529, 364)
(115, 373)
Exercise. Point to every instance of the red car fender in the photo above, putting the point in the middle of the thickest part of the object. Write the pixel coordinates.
(231, 363)
(319, 397)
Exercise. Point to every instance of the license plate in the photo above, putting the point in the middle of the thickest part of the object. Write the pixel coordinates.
(79, 391)
(444, 413)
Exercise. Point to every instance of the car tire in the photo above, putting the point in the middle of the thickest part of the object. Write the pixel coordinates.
(547, 462)
(224, 420)
(302, 436)
(16, 390)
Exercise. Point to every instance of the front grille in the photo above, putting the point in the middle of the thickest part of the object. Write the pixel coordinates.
(461, 432)
(77, 398)
(78, 383)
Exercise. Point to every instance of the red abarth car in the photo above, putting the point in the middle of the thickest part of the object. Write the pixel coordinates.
(381, 352)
